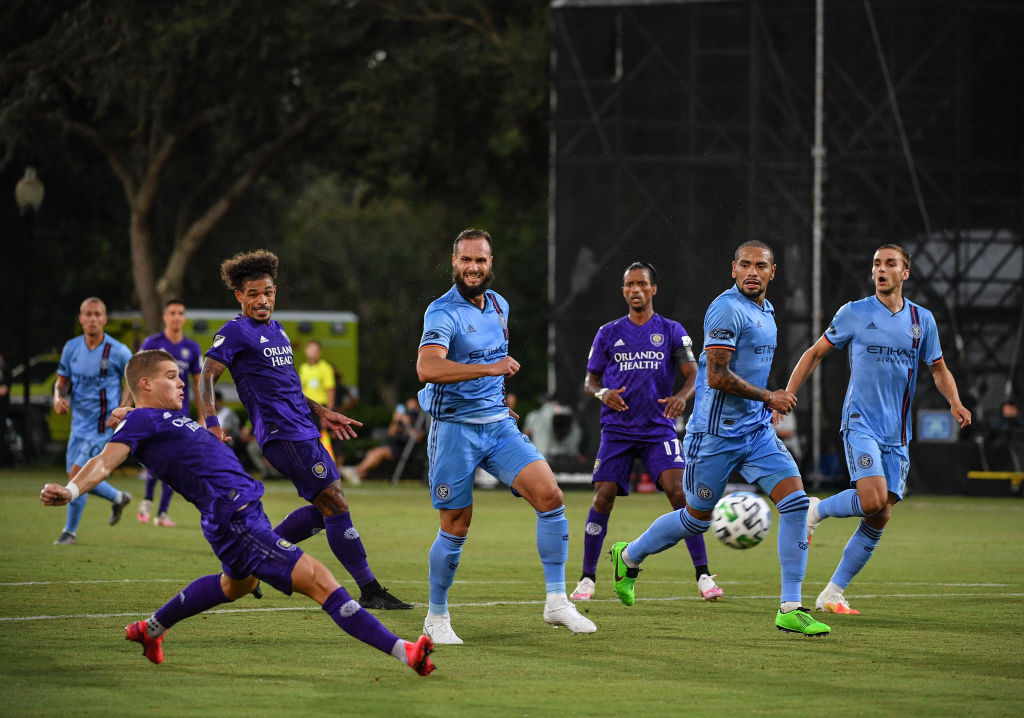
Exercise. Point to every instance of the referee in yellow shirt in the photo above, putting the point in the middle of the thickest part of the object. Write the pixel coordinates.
(317, 377)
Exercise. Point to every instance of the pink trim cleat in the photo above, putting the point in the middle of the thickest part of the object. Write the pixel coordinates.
(153, 648)
(708, 589)
(418, 655)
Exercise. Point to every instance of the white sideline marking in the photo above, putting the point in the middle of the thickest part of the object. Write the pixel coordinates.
(487, 604)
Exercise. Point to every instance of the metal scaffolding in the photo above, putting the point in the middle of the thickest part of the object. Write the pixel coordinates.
(681, 129)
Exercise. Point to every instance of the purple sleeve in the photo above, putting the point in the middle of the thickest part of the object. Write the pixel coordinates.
(597, 360)
(226, 344)
(150, 342)
(682, 346)
(135, 427)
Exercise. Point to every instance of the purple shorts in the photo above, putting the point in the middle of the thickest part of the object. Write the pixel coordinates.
(658, 454)
(306, 463)
(248, 546)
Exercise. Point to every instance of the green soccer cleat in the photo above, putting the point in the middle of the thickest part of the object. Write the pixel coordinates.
(799, 620)
(623, 576)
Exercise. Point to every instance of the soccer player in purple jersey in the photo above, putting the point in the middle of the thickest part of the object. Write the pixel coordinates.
(638, 354)
(259, 354)
(186, 353)
(888, 337)
(209, 475)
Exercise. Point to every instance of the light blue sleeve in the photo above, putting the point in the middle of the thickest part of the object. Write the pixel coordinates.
(64, 366)
(840, 331)
(438, 328)
(124, 355)
(931, 349)
(722, 325)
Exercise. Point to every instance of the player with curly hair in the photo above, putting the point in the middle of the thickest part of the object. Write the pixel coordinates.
(259, 354)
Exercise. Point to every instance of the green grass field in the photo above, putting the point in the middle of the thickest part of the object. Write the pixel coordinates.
(941, 632)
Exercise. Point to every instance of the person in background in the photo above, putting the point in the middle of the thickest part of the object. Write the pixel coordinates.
(186, 353)
(89, 379)
(401, 429)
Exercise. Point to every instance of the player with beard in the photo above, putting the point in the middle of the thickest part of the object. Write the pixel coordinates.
(731, 429)
(259, 354)
(463, 358)
(888, 336)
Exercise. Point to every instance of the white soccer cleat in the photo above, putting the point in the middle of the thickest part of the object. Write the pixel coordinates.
(832, 601)
(350, 476)
(440, 630)
(708, 589)
(584, 590)
(559, 611)
(813, 519)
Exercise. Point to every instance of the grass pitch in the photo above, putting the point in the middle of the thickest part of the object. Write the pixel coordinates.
(940, 634)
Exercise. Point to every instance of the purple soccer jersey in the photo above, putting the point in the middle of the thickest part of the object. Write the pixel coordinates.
(186, 355)
(191, 459)
(261, 363)
(645, 359)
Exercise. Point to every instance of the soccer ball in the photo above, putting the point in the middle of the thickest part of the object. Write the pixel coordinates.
(741, 519)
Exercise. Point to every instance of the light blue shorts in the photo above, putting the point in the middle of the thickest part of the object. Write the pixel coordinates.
(760, 457)
(866, 457)
(454, 450)
(83, 448)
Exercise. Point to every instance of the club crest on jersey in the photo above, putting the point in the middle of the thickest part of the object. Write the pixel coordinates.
(285, 335)
(185, 353)
(915, 330)
(657, 339)
(286, 545)
(218, 340)
(864, 461)
(597, 464)
(442, 491)
(704, 492)
(319, 470)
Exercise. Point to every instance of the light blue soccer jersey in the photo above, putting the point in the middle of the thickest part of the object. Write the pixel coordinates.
(95, 376)
(747, 329)
(885, 351)
(471, 336)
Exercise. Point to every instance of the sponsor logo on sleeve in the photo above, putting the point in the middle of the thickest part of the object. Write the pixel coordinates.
(721, 334)
(218, 340)
(832, 329)
(687, 342)
(430, 336)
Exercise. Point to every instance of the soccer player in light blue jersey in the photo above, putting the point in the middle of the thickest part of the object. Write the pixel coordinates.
(89, 386)
(631, 370)
(887, 337)
(463, 358)
(731, 429)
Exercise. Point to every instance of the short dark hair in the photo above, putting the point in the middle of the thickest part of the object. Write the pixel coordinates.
(758, 244)
(169, 302)
(898, 248)
(248, 265)
(144, 364)
(652, 273)
(472, 234)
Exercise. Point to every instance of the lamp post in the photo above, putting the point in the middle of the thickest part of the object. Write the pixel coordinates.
(29, 195)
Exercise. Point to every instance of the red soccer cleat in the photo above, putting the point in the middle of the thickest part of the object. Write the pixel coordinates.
(153, 648)
(418, 655)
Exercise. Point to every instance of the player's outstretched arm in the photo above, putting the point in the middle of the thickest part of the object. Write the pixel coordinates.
(338, 424)
(95, 470)
(434, 366)
(723, 378)
(946, 385)
(809, 361)
(212, 369)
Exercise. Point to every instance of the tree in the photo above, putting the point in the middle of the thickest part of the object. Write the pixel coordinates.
(188, 103)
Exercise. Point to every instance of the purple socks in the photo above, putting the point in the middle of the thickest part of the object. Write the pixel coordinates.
(593, 539)
(357, 622)
(300, 524)
(200, 595)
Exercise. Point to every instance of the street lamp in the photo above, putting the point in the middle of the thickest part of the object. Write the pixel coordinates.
(29, 195)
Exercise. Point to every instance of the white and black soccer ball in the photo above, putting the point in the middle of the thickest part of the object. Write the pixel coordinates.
(741, 519)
